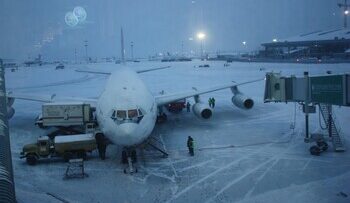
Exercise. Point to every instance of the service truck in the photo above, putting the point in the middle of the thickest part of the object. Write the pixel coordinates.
(65, 114)
(176, 106)
(67, 146)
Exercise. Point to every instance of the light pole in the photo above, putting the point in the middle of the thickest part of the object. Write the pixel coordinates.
(132, 50)
(86, 55)
(201, 37)
(75, 55)
(182, 48)
(345, 5)
(245, 51)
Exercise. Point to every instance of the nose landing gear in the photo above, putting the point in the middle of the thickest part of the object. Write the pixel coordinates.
(129, 157)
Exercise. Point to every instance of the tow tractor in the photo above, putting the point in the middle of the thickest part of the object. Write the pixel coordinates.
(320, 146)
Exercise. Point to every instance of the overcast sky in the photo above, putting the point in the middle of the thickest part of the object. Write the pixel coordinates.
(30, 27)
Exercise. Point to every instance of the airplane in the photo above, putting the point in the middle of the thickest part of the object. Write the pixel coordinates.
(126, 111)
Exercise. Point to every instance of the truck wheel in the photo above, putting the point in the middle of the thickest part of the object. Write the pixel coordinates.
(67, 156)
(315, 150)
(31, 159)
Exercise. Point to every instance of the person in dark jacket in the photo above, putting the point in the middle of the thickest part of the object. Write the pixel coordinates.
(190, 145)
(101, 146)
(213, 102)
(188, 107)
(209, 102)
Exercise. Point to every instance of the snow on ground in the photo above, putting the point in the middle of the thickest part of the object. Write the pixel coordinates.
(248, 156)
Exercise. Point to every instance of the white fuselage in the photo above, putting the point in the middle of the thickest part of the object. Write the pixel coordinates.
(124, 94)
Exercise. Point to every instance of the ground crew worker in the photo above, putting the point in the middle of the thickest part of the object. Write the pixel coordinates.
(102, 150)
(209, 102)
(213, 102)
(101, 146)
(188, 106)
(190, 145)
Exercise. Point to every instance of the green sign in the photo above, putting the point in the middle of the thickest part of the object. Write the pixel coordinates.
(327, 89)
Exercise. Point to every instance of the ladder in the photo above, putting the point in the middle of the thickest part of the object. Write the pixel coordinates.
(326, 112)
(154, 143)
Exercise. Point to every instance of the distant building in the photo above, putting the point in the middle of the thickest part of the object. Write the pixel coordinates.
(320, 45)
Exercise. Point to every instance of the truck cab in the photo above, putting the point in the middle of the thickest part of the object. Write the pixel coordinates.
(44, 145)
(33, 151)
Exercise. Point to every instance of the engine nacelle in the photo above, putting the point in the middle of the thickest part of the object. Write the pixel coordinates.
(10, 112)
(242, 101)
(202, 111)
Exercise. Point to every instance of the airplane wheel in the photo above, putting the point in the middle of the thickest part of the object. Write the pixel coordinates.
(134, 156)
(124, 157)
(165, 117)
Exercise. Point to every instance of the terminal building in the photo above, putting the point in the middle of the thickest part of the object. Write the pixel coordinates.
(319, 45)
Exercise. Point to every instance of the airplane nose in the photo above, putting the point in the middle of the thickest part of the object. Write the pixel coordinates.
(127, 128)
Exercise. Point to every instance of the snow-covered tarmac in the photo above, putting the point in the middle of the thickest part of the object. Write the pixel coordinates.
(246, 156)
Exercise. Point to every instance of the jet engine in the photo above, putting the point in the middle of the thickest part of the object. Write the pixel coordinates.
(10, 109)
(202, 111)
(240, 100)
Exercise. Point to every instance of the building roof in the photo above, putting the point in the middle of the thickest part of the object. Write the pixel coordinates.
(319, 37)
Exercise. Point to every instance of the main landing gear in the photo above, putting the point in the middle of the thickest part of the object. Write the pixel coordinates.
(162, 118)
(129, 157)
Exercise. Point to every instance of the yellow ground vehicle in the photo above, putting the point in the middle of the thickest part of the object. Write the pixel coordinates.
(67, 146)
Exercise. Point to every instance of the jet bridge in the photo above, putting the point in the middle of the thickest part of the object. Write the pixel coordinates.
(323, 91)
(7, 186)
(327, 89)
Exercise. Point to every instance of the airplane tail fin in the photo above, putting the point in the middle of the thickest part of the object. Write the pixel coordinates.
(122, 46)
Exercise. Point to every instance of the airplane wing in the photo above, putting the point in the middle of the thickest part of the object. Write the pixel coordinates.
(168, 98)
(110, 72)
(94, 71)
(151, 69)
(49, 98)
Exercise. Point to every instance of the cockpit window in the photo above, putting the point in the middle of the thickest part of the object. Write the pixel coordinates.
(132, 115)
(140, 112)
(121, 114)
